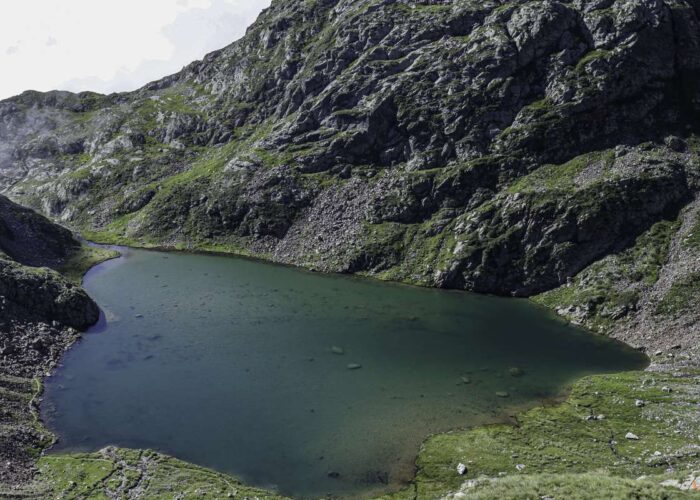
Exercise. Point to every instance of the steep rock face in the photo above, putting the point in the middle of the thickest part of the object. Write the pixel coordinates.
(40, 310)
(39, 294)
(31, 239)
(389, 137)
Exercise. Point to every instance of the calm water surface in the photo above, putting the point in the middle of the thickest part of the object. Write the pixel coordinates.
(230, 363)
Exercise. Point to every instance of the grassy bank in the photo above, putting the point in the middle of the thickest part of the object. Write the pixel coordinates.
(88, 256)
(122, 473)
(611, 431)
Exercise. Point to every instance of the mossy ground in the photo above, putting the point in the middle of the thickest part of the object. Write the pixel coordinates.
(559, 178)
(119, 473)
(569, 486)
(570, 451)
(88, 256)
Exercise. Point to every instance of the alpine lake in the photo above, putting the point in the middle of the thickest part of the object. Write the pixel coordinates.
(308, 384)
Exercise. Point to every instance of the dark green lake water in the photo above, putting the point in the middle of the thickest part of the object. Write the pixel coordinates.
(228, 363)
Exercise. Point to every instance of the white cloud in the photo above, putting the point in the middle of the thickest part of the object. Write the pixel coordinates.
(109, 46)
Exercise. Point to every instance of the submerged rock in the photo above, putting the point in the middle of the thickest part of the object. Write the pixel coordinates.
(354, 366)
(502, 394)
(337, 350)
(516, 372)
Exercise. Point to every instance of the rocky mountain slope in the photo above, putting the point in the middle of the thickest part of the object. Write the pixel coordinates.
(31, 293)
(493, 146)
(33, 240)
(41, 314)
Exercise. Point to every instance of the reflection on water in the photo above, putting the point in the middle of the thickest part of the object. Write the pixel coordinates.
(306, 383)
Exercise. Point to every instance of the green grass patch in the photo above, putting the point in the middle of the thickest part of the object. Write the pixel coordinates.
(114, 472)
(83, 260)
(566, 439)
(596, 484)
(590, 57)
(560, 177)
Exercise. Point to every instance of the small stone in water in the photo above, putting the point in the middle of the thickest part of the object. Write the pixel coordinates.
(354, 366)
(138, 315)
(466, 380)
(516, 372)
(461, 469)
(337, 350)
(502, 394)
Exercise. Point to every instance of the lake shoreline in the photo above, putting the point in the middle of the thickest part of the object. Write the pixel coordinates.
(654, 366)
(156, 284)
(627, 334)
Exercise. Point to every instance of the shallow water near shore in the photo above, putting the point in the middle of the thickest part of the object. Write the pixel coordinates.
(309, 384)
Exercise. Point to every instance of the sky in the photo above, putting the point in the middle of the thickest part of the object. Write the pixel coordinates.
(111, 45)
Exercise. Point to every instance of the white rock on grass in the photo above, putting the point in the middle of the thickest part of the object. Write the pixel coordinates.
(631, 436)
(461, 469)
